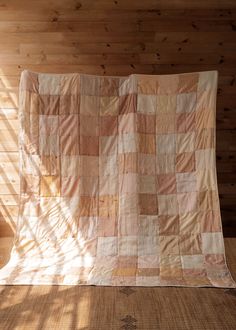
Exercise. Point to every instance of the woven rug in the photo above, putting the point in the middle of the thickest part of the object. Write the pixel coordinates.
(118, 182)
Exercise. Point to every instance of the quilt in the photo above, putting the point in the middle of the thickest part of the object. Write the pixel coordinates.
(118, 182)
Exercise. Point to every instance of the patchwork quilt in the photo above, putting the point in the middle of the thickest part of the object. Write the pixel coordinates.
(118, 182)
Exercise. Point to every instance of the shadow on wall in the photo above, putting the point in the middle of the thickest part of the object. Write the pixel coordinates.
(45, 220)
(8, 166)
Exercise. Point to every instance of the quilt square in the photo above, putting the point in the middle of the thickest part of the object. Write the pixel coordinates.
(190, 222)
(127, 104)
(108, 125)
(108, 165)
(188, 82)
(168, 225)
(89, 85)
(128, 246)
(147, 85)
(168, 204)
(166, 104)
(49, 84)
(129, 143)
(205, 159)
(109, 105)
(167, 84)
(70, 186)
(147, 184)
(49, 165)
(70, 85)
(186, 182)
(108, 206)
(205, 139)
(128, 183)
(109, 86)
(69, 104)
(187, 202)
(186, 102)
(185, 142)
(108, 185)
(208, 200)
(185, 122)
(50, 186)
(107, 246)
(190, 244)
(107, 226)
(88, 186)
(88, 166)
(89, 125)
(166, 184)
(49, 104)
(127, 123)
(30, 185)
(128, 163)
(165, 123)
(149, 226)
(146, 123)
(148, 204)
(108, 145)
(212, 243)
(128, 85)
(165, 163)
(148, 245)
(210, 221)
(89, 105)
(166, 144)
(146, 104)
(128, 224)
(88, 206)
(185, 162)
(169, 245)
(147, 143)
(128, 204)
(89, 145)
(146, 164)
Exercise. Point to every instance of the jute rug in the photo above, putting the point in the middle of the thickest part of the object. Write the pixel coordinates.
(118, 182)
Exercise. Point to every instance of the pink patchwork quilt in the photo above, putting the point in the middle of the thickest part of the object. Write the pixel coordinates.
(118, 182)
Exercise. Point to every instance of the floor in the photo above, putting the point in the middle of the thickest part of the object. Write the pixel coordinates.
(108, 308)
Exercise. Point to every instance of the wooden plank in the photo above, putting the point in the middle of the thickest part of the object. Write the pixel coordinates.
(116, 36)
(6, 244)
(122, 47)
(5, 229)
(10, 124)
(186, 25)
(118, 70)
(124, 4)
(10, 201)
(54, 13)
(119, 59)
(157, 25)
(31, 26)
(8, 113)
(227, 188)
(9, 211)
(188, 37)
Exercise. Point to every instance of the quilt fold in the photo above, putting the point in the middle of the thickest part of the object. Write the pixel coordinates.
(118, 182)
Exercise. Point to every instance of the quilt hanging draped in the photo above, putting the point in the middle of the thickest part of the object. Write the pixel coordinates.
(118, 182)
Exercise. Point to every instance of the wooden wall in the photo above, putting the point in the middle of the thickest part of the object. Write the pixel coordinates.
(117, 37)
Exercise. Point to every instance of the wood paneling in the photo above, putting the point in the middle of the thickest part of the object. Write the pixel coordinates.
(117, 38)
